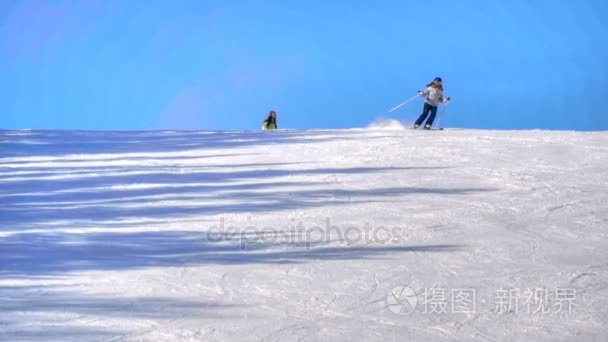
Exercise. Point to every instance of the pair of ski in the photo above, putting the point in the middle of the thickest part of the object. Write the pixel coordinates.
(427, 129)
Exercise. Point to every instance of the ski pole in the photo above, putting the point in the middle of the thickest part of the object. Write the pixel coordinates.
(402, 104)
(440, 114)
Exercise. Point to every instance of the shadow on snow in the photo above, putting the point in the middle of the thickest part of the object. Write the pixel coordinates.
(94, 196)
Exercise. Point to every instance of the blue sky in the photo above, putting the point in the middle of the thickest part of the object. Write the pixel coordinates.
(160, 64)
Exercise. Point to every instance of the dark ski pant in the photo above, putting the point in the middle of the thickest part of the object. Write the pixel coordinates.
(271, 123)
(425, 112)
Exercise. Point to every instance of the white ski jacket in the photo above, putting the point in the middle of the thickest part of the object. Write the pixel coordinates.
(433, 96)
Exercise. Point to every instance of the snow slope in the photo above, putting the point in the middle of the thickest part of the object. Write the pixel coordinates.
(197, 236)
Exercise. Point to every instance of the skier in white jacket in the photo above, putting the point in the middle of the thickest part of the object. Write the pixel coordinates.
(434, 96)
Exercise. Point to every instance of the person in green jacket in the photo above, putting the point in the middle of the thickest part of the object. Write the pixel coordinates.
(271, 121)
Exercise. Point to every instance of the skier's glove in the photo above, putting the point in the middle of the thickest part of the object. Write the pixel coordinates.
(448, 99)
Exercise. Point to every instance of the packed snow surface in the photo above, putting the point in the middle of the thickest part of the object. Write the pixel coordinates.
(376, 234)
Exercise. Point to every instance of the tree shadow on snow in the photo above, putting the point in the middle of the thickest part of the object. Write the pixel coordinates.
(39, 255)
(34, 206)
(60, 143)
(102, 197)
(109, 196)
(55, 310)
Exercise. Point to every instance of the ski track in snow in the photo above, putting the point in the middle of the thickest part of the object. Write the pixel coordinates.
(117, 236)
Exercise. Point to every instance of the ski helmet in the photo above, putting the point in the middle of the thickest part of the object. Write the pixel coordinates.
(437, 79)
